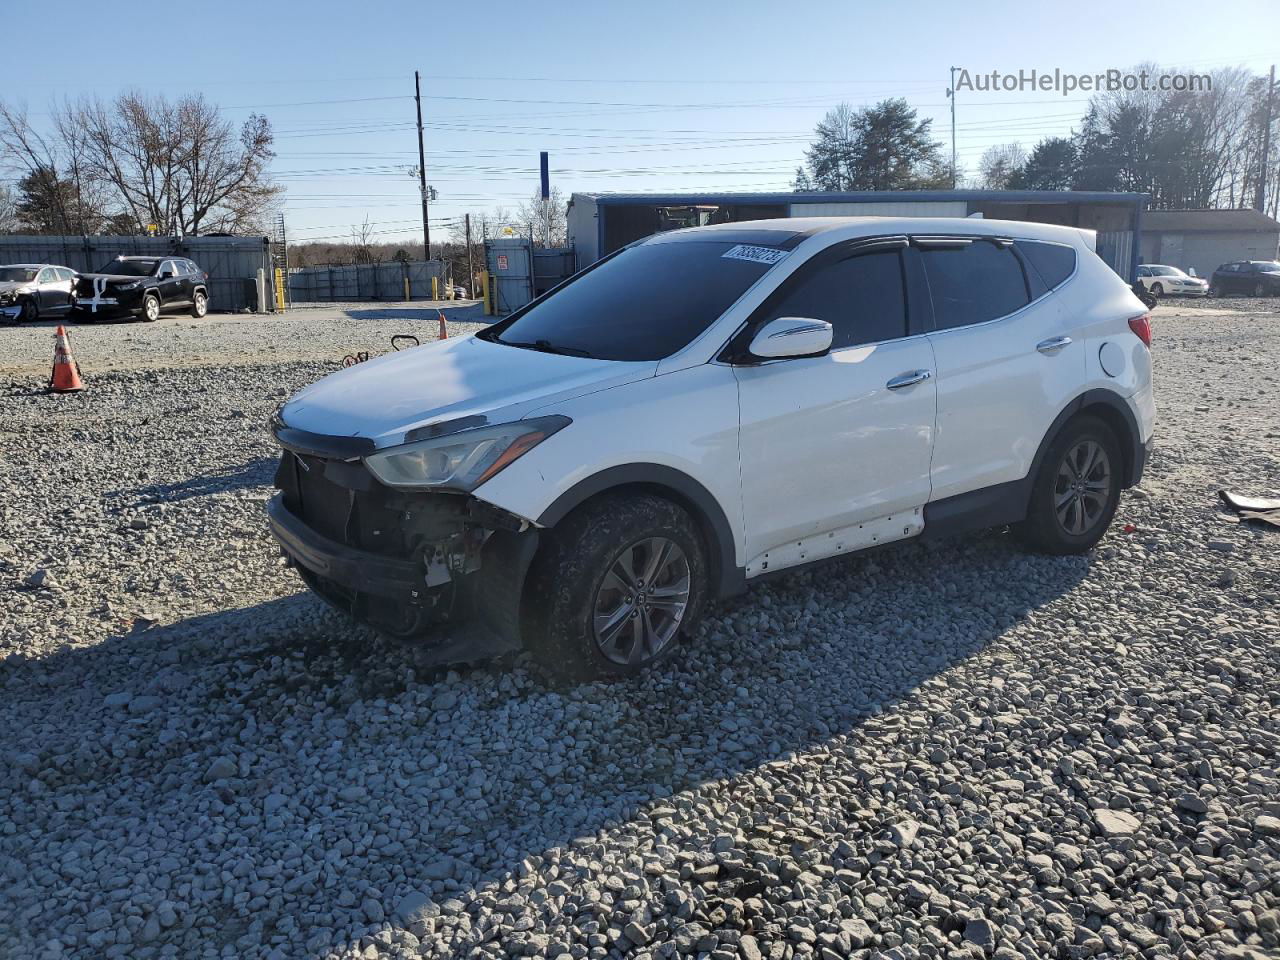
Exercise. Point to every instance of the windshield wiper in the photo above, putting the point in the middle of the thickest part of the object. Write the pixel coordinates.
(546, 346)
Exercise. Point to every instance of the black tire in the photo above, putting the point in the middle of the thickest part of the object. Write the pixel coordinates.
(30, 311)
(1157, 290)
(199, 304)
(1086, 516)
(573, 578)
(1259, 289)
(150, 308)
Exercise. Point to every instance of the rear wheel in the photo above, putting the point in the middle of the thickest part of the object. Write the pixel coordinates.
(1076, 491)
(616, 584)
(151, 308)
(1259, 289)
(199, 304)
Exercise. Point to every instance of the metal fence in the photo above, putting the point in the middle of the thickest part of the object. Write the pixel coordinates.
(233, 263)
(393, 280)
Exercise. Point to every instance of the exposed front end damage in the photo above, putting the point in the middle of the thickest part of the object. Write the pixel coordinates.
(401, 561)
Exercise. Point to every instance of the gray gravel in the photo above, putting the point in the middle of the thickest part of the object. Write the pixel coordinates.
(962, 751)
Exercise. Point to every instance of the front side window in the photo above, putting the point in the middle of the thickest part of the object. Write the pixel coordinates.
(973, 283)
(1266, 266)
(861, 296)
(48, 275)
(66, 273)
(644, 303)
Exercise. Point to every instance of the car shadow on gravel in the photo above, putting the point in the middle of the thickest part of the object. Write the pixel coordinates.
(456, 777)
(470, 313)
(258, 472)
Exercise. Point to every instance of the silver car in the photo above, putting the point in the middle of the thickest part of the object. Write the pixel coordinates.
(29, 291)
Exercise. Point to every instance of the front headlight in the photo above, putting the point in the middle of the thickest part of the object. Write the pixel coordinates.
(130, 286)
(461, 461)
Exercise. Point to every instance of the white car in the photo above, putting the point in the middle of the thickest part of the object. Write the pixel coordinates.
(588, 474)
(1165, 281)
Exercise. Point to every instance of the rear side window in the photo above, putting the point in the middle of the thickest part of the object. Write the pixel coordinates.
(973, 283)
(1056, 261)
(861, 297)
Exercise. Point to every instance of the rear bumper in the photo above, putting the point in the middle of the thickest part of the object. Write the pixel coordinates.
(357, 570)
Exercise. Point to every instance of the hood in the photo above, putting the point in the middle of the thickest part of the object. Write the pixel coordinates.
(15, 286)
(386, 398)
(110, 277)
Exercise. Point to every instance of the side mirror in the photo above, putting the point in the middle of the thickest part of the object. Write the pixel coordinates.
(791, 337)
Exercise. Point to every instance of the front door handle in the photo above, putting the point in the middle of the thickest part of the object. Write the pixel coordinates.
(1053, 344)
(908, 379)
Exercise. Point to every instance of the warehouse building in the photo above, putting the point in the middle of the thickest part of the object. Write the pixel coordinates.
(600, 223)
(1204, 239)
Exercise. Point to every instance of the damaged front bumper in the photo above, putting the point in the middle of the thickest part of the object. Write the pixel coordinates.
(399, 561)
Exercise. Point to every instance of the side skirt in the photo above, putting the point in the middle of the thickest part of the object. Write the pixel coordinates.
(997, 506)
(850, 539)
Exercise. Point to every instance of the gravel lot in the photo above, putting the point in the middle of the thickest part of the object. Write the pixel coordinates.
(962, 751)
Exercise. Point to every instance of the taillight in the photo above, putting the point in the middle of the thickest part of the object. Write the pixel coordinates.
(1141, 325)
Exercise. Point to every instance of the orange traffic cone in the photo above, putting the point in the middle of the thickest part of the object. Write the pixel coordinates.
(444, 331)
(66, 372)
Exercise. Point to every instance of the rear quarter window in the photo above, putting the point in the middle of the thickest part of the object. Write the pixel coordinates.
(1054, 262)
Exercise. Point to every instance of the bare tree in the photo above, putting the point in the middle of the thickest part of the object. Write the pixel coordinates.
(360, 241)
(8, 211)
(38, 161)
(999, 164)
(177, 164)
(545, 220)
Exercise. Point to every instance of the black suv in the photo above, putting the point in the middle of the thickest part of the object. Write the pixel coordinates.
(1253, 278)
(142, 287)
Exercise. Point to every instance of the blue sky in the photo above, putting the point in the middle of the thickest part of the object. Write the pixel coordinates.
(639, 96)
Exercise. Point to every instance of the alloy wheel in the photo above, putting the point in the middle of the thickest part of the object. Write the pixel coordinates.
(1082, 487)
(641, 601)
(152, 308)
(202, 305)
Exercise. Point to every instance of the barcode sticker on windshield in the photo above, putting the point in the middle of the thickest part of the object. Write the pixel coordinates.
(745, 251)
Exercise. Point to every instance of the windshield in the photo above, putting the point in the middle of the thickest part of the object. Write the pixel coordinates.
(130, 268)
(1267, 266)
(1166, 272)
(645, 303)
(17, 274)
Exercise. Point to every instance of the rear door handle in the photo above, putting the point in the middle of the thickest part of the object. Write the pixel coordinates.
(908, 379)
(1052, 344)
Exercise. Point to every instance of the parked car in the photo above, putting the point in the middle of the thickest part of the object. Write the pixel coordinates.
(1165, 281)
(142, 287)
(29, 291)
(589, 473)
(1252, 278)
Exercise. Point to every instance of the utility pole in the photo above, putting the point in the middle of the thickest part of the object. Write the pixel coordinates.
(471, 269)
(951, 94)
(422, 167)
(1260, 195)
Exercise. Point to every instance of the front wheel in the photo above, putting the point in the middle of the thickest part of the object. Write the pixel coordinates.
(616, 584)
(199, 304)
(1157, 290)
(1259, 290)
(1076, 491)
(151, 308)
(30, 311)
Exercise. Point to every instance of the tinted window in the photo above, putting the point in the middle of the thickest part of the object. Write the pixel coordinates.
(66, 273)
(1055, 262)
(861, 297)
(643, 304)
(130, 268)
(1266, 266)
(973, 283)
(47, 275)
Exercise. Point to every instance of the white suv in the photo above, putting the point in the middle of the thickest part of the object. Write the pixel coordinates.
(713, 405)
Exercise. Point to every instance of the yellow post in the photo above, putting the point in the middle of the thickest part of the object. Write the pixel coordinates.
(435, 288)
(406, 289)
(280, 304)
(488, 300)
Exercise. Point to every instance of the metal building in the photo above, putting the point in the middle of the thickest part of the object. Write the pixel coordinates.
(600, 223)
(1205, 239)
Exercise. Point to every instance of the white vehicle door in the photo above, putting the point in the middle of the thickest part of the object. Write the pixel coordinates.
(1007, 362)
(835, 449)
